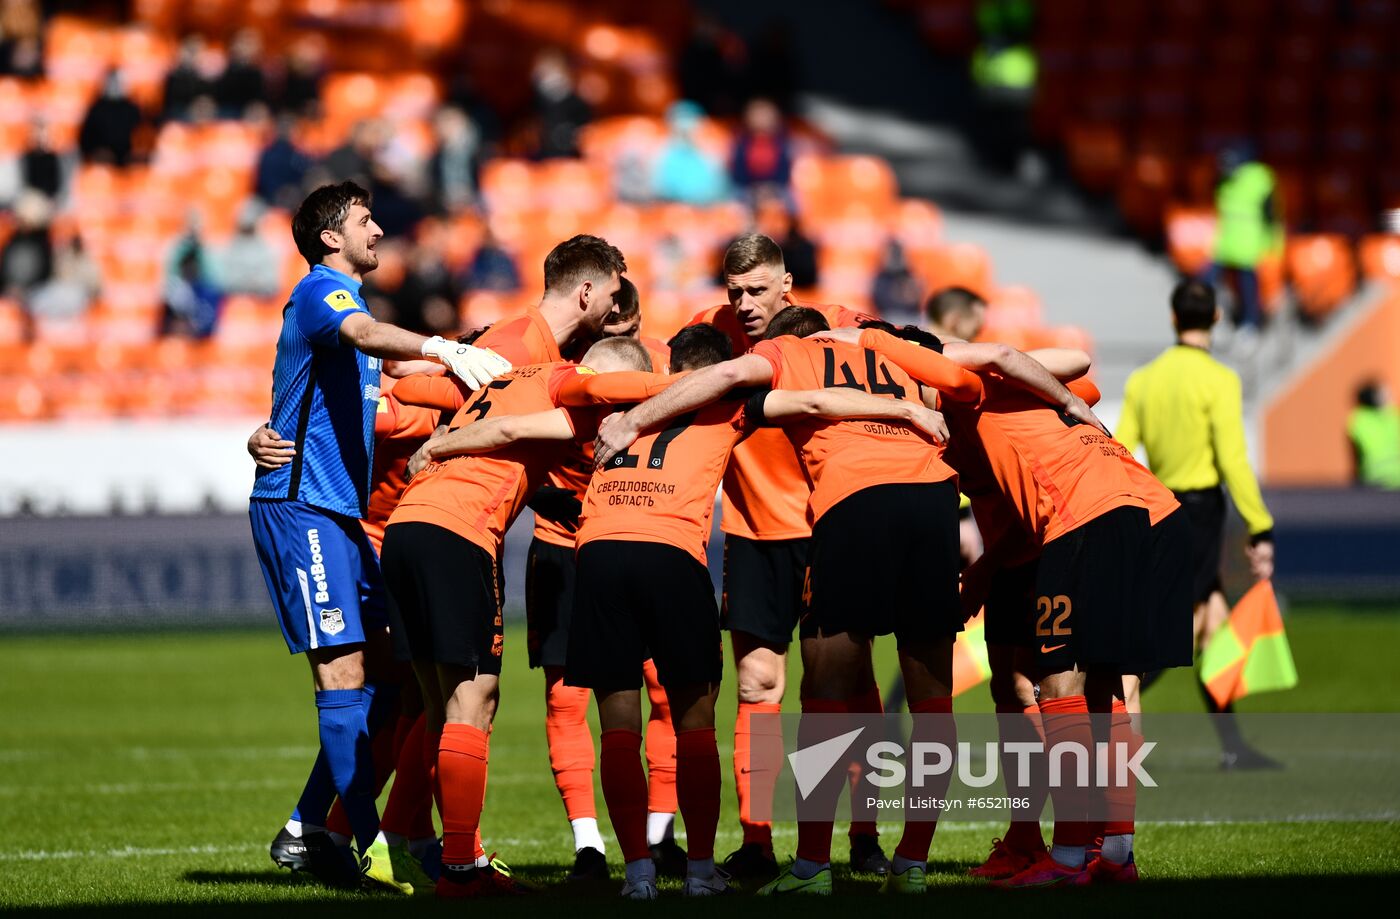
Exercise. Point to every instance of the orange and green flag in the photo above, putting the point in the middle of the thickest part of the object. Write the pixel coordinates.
(970, 665)
(1250, 653)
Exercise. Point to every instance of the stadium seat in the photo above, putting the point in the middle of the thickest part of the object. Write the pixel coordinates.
(1096, 155)
(1380, 256)
(1190, 237)
(1322, 272)
(961, 265)
(15, 118)
(1014, 305)
(13, 323)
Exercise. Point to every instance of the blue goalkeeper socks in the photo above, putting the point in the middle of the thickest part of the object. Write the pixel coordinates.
(340, 715)
(381, 703)
(316, 798)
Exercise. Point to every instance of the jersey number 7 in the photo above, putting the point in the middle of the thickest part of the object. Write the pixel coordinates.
(656, 459)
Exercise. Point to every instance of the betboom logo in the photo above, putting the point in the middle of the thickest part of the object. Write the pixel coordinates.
(318, 567)
(891, 763)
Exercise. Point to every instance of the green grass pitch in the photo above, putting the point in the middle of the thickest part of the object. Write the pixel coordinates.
(145, 774)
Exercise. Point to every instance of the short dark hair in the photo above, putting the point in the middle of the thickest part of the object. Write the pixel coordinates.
(628, 301)
(796, 320)
(1193, 305)
(697, 346)
(581, 258)
(751, 251)
(324, 209)
(950, 301)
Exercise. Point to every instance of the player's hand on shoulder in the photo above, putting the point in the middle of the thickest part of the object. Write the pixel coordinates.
(472, 365)
(1261, 559)
(420, 458)
(930, 421)
(847, 335)
(269, 450)
(615, 434)
(1078, 409)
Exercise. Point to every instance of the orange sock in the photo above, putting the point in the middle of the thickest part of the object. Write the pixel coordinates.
(660, 746)
(412, 795)
(756, 761)
(462, 760)
(570, 743)
(1019, 724)
(432, 740)
(933, 723)
(1124, 744)
(625, 791)
(1066, 721)
(814, 836)
(697, 787)
(869, 702)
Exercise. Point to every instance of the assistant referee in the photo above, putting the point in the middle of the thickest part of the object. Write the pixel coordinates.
(1185, 408)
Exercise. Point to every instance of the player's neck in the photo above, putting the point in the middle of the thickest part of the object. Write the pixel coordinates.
(337, 262)
(1194, 338)
(562, 317)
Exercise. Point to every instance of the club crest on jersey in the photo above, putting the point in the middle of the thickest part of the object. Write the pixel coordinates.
(332, 621)
(340, 301)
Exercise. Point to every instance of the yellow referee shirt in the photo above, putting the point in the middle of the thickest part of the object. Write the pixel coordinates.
(1185, 408)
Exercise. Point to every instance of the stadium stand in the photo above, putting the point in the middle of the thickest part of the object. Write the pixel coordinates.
(188, 178)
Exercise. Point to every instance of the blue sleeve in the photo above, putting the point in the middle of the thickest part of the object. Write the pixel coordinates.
(321, 306)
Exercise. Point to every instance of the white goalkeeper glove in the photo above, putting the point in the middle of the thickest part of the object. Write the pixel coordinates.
(474, 366)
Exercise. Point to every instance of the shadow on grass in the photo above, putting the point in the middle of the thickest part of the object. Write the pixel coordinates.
(247, 894)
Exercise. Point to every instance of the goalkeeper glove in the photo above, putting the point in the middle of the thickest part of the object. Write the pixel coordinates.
(472, 365)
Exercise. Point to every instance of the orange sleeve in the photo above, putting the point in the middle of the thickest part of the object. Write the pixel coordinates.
(441, 393)
(508, 339)
(1085, 390)
(771, 352)
(610, 388)
(386, 417)
(928, 367)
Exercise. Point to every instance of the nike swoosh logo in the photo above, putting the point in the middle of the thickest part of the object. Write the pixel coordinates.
(1046, 649)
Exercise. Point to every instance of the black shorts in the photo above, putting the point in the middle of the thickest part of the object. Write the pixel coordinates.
(444, 598)
(1206, 510)
(549, 602)
(1167, 634)
(1010, 606)
(1088, 596)
(885, 560)
(632, 599)
(763, 586)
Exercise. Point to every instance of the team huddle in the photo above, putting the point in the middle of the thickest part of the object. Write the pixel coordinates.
(842, 447)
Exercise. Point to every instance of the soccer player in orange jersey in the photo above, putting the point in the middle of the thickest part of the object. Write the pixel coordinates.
(441, 549)
(626, 321)
(1071, 492)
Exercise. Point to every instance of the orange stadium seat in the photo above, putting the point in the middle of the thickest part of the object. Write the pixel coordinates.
(1096, 155)
(961, 265)
(918, 224)
(22, 399)
(14, 116)
(1190, 237)
(1380, 256)
(508, 185)
(76, 50)
(12, 324)
(1014, 306)
(1322, 271)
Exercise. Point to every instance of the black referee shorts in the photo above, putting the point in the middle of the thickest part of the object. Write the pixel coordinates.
(1206, 510)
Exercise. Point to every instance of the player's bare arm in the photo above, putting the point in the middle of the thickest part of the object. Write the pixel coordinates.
(492, 434)
(849, 404)
(269, 449)
(618, 432)
(1064, 364)
(1021, 369)
(473, 366)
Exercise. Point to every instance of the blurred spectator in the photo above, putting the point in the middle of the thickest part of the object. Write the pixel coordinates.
(1374, 431)
(896, 290)
(242, 83)
(427, 279)
(354, 160)
(684, 172)
(711, 67)
(301, 85)
(560, 110)
(282, 168)
(40, 168)
(772, 69)
(492, 268)
(453, 167)
(188, 80)
(396, 212)
(1247, 229)
(673, 269)
(247, 263)
(74, 285)
(774, 219)
(21, 39)
(192, 294)
(105, 135)
(762, 155)
(27, 259)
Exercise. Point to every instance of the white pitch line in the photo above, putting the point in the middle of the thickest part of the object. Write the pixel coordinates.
(124, 852)
(136, 788)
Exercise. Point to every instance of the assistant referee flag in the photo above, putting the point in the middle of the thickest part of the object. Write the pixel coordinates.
(1250, 653)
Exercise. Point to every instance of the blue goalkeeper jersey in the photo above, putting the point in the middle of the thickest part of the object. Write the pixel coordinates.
(324, 396)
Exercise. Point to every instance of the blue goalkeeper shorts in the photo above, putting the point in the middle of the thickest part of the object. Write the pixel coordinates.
(322, 574)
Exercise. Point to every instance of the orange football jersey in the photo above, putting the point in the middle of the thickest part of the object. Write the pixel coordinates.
(662, 488)
(843, 457)
(765, 491)
(399, 430)
(479, 496)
